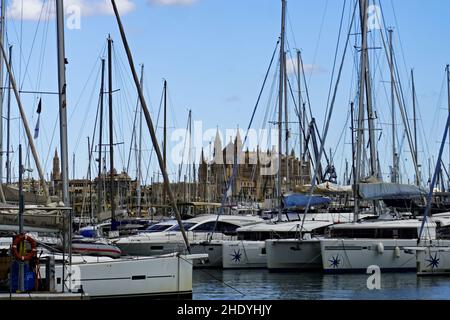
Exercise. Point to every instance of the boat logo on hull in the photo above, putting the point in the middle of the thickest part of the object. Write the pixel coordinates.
(236, 256)
(433, 261)
(334, 261)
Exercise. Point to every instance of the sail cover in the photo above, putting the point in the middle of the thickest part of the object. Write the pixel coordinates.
(389, 191)
(301, 200)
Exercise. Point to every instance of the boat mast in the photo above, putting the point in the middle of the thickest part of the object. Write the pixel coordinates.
(394, 177)
(138, 176)
(370, 113)
(299, 88)
(21, 221)
(111, 138)
(286, 116)
(2, 39)
(190, 156)
(90, 179)
(280, 105)
(100, 144)
(360, 129)
(416, 147)
(62, 100)
(448, 95)
(8, 124)
(62, 86)
(165, 142)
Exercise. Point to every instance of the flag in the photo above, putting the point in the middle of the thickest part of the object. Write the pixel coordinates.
(39, 110)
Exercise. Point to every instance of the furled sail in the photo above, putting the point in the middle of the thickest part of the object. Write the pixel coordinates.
(389, 191)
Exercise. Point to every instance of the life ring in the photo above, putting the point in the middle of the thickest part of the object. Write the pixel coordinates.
(21, 238)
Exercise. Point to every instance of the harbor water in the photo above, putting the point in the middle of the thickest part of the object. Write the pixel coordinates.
(215, 284)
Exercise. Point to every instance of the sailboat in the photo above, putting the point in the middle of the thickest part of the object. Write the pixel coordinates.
(433, 257)
(353, 247)
(265, 244)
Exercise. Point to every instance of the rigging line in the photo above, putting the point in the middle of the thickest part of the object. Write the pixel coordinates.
(325, 134)
(295, 106)
(290, 25)
(306, 89)
(335, 59)
(156, 125)
(21, 41)
(33, 42)
(401, 102)
(17, 38)
(43, 50)
(123, 101)
(184, 151)
(212, 276)
(147, 151)
(268, 108)
(91, 73)
(51, 143)
(97, 120)
(88, 179)
(318, 42)
(86, 114)
(235, 166)
(171, 107)
(133, 133)
(398, 33)
(127, 96)
(433, 182)
(266, 116)
(344, 130)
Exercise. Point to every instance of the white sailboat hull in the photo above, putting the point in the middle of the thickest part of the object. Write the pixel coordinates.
(434, 260)
(356, 255)
(163, 276)
(244, 254)
(155, 248)
(284, 254)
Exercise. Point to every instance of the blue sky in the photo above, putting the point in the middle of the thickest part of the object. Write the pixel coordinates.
(214, 54)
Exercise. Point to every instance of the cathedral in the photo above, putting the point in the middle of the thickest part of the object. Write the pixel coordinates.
(256, 173)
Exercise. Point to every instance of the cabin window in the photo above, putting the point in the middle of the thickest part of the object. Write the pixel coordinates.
(186, 225)
(402, 233)
(205, 227)
(226, 227)
(443, 232)
(220, 226)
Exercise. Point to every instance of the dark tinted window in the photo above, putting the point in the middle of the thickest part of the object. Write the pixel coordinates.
(205, 227)
(186, 225)
(226, 227)
(158, 228)
(220, 226)
(401, 233)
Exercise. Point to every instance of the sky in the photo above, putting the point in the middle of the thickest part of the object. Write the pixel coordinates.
(214, 55)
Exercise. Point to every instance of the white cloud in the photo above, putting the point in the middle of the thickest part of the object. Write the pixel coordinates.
(32, 9)
(291, 67)
(172, 2)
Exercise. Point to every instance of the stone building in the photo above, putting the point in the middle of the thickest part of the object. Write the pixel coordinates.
(256, 173)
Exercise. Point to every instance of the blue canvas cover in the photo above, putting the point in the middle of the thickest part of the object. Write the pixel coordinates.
(301, 200)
